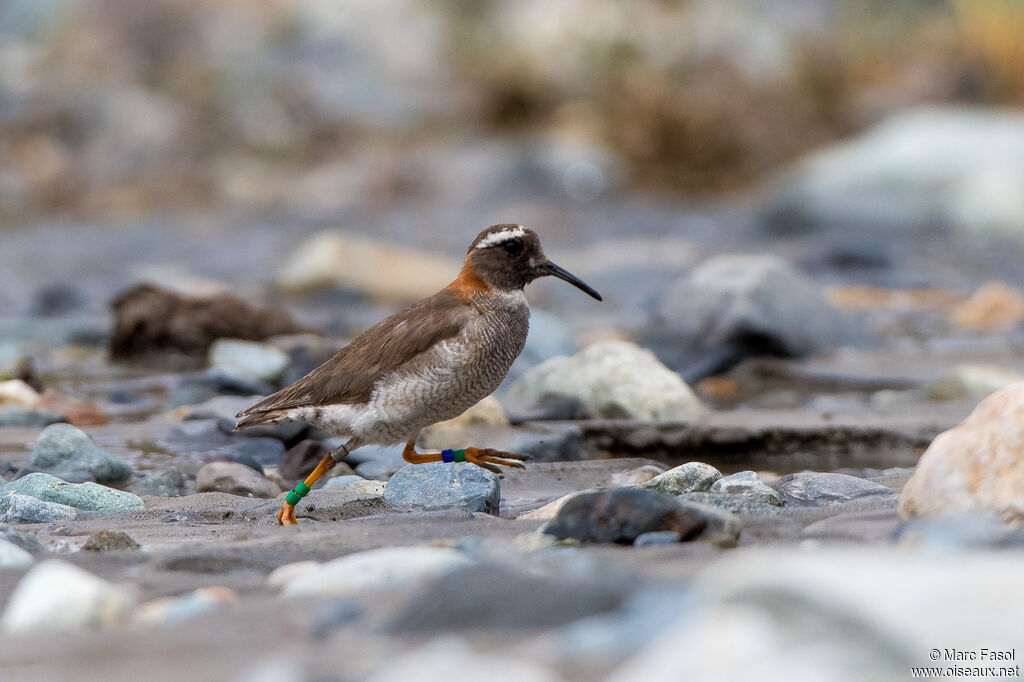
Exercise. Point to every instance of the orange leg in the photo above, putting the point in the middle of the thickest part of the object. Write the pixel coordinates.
(483, 457)
(286, 516)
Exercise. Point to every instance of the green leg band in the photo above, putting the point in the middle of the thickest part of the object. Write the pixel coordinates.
(297, 493)
(459, 455)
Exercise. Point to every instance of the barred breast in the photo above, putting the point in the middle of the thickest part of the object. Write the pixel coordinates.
(450, 378)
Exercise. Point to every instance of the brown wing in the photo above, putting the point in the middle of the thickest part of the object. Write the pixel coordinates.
(349, 376)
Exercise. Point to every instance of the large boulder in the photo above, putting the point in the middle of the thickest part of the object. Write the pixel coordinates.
(977, 465)
(84, 496)
(614, 379)
(733, 306)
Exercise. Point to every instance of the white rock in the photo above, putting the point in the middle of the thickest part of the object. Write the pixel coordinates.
(386, 272)
(12, 556)
(451, 659)
(56, 595)
(615, 379)
(17, 392)
(282, 575)
(375, 569)
(248, 359)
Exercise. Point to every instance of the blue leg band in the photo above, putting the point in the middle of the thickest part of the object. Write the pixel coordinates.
(447, 455)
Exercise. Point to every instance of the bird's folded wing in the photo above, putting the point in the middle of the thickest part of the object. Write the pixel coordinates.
(388, 346)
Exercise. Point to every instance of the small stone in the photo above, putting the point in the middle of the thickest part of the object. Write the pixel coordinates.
(816, 488)
(440, 485)
(110, 541)
(12, 556)
(346, 480)
(248, 359)
(977, 466)
(24, 417)
(737, 504)
(78, 412)
(16, 392)
(994, 306)
(657, 537)
(83, 496)
(747, 483)
(27, 541)
(637, 476)
(56, 595)
(614, 379)
(722, 527)
(620, 515)
(686, 478)
(186, 607)
(235, 479)
(376, 569)
(63, 448)
(164, 483)
(15, 508)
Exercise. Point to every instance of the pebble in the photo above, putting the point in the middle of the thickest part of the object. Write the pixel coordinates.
(977, 465)
(722, 527)
(11, 415)
(613, 379)
(248, 359)
(110, 541)
(816, 488)
(83, 496)
(657, 537)
(375, 569)
(995, 306)
(56, 595)
(27, 541)
(637, 476)
(737, 504)
(169, 610)
(686, 478)
(64, 448)
(163, 483)
(12, 556)
(15, 508)
(235, 479)
(620, 515)
(16, 392)
(439, 485)
(747, 484)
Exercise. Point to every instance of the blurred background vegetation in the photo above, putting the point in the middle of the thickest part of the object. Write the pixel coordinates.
(116, 108)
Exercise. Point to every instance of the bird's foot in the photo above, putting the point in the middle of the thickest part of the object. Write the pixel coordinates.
(286, 515)
(489, 457)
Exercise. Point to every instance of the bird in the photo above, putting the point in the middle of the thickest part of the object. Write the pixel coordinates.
(427, 363)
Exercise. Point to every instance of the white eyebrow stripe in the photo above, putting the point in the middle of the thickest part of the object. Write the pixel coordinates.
(503, 236)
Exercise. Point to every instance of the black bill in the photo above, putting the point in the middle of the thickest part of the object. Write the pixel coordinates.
(550, 268)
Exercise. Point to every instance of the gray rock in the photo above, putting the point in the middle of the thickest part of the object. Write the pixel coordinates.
(921, 168)
(495, 596)
(163, 483)
(82, 496)
(248, 359)
(13, 556)
(15, 508)
(64, 448)
(657, 537)
(235, 479)
(686, 478)
(342, 481)
(737, 504)
(110, 541)
(264, 452)
(721, 529)
(747, 484)
(620, 515)
(816, 488)
(12, 415)
(614, 379)
(440, 485)
(749, 305)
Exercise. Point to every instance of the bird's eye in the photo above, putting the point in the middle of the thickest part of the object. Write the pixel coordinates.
(513, 246)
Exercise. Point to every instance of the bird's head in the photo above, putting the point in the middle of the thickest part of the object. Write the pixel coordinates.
(508, 257)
